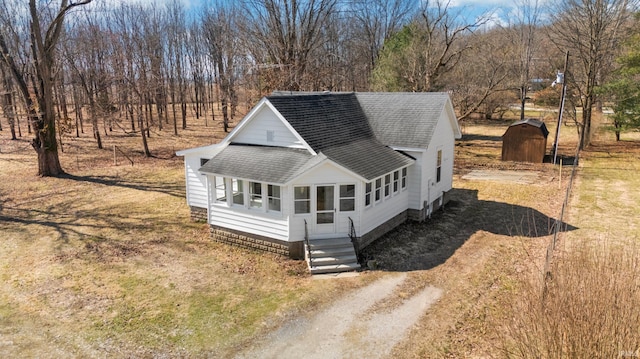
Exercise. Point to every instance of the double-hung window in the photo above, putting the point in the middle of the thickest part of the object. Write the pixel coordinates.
(396, 180)
(255, 194)
(273, 194)
(221, 189)
(347, 197)
(378, 192)
(439, 166)
(237, 191)
(387, 185)
(367, 194)
(404, 178)
(302, 199)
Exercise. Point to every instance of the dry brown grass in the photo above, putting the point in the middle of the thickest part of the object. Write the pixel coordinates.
(105, 262)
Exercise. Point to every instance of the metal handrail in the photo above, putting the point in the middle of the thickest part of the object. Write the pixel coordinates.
(352, 230)
(306, 238)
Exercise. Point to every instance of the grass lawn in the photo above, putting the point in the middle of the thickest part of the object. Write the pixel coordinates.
(105, 262)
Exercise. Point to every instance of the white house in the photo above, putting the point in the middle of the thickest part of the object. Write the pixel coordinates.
(308, 174)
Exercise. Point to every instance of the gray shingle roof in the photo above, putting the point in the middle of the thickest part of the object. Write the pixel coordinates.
(276, 165)
(533, 122)
(352, 129)
(335, 124)
(403, 119)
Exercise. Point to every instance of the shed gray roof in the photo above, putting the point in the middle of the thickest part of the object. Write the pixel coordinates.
(533, 122)
(276, 165)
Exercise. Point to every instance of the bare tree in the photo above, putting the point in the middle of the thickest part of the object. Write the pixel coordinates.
(376, 21)
(591, 30)
(284, 33)
(44, 34)
(222, 38)
(524, 30)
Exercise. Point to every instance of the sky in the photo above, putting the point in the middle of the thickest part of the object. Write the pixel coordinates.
(500, 11)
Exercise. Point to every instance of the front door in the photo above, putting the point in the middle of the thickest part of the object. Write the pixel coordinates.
(325, 209)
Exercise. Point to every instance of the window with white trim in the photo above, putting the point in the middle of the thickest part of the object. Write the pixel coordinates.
(378, 192)
(347, 197)
(237, 191)
(302, 199)
(396, 181)
(404, 178)
(387, 185)
(221, 189)
(273, 195)
(255, 194)
(367, 194)
(439, 166)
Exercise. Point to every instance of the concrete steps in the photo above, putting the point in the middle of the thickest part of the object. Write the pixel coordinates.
(332, 255)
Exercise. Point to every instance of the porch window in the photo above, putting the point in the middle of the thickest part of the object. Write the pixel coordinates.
(237, 191)
(273, 194)
(439, 166)
(378, 189)
(347, 197)
(387, 185)
(396, 180)
(302, 199)
(367, 194)
(255, 195)
(221, 189)
(404, 178)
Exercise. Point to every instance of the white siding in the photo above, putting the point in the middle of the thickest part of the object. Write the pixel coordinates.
(414, 180)
(257, 131)
(255, 221)
(383, 211)
(196, 183)
(250, 221)
(443, 138)
(325, 173)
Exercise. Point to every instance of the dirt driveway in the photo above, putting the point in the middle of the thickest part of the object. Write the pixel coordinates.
(366, 323)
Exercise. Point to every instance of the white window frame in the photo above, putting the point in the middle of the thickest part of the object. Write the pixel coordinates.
(368, 187)
(378, 190)
(307, 200)
(256, 200)
(217, 182)
(387, 185)
(396, 182)
(439, 165)
(272, 198)
(403, 177)
(237, 191)
(349, 198)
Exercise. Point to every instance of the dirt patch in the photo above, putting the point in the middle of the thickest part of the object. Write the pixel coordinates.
(354, 326)
(504, 176)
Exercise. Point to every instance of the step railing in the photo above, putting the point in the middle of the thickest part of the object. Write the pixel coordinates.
(353, 235)
(306, 239)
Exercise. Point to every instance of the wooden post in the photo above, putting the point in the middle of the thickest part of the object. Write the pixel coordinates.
(560, 182)
(115, 161)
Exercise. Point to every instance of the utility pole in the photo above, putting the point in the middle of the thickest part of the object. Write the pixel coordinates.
(561, 78)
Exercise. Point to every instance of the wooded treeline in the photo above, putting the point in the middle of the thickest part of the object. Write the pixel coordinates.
(135, 67)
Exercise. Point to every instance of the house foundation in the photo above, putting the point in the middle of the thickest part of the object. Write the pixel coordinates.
(293, 250)
(365, 240)
(198, 214)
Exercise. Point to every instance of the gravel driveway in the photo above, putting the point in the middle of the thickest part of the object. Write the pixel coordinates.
(366, 323)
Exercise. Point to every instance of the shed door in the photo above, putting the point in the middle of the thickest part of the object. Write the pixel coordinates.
(325, 214)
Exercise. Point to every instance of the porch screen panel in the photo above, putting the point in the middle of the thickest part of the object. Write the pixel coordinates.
(325, 204)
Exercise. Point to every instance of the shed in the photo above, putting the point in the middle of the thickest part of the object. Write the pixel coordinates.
(525, 141)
